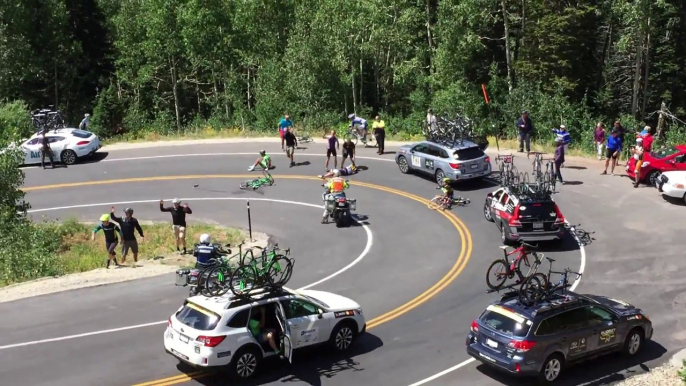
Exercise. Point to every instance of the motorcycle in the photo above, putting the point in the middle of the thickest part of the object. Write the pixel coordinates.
(338, 207)
(196, 278)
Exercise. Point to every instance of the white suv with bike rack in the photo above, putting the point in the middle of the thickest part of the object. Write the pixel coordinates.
(212, 332)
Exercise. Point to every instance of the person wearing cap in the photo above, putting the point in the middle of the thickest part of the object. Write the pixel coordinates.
(265, 161)
(613, 148)
(637, 152)
(526, 128)
(129, 225)
(284, 124)
(111, 230)
(562, 135)
(178, 213)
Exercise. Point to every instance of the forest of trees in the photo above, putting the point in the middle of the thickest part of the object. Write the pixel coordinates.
(169, 64)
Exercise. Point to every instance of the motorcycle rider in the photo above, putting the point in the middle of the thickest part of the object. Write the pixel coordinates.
(205, 252)
(359, 124)
(334, 187)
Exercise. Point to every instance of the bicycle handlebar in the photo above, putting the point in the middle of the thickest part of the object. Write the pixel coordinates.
(566, 271)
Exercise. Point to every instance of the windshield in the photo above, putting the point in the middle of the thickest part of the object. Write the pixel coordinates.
(81, 134)
(542, 210)
(468, 154)
(315, 301)
(505, 321)
(664, 153)
(197, 317)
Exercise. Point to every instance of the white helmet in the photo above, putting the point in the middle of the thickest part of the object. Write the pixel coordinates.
(87, 115)
(204, 238)
(336, 173)
(176, 201)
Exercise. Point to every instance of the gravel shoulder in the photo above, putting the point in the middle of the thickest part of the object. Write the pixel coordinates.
(665, 375)
(144, 268)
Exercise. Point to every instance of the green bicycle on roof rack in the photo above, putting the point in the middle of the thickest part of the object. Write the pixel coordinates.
(271, 269)
(255, 184)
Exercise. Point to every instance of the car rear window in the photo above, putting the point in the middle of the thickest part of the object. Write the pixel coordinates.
(81, 133)
(468, 154)
(506, 321)
(538, 210)
(197, 317)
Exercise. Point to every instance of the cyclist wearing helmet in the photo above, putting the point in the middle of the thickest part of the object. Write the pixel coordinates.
(335, 187)
(129, 225)
(111, 231)
(447, 190)
(265, 161)
(205, 252)
(346, 171)
(358, 124)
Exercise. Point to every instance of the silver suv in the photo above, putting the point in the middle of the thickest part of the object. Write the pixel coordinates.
(459, 160)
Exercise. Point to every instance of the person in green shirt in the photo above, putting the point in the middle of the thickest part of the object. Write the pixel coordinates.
(265, 161)
(256, 325)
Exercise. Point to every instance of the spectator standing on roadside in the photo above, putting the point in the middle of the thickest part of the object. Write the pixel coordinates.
(331, 146)
(379, 130)
(563, 135)
(348, 151)
(431, 120)
(648, 138)
(85, 122)
(559, 158)
(526, 128)
(613, 148)
(45, 151)
(621, 133)
(637, 153)
(129, 225)
(111, 231)
(291, 143)
(599, 137)
(178, 213)
(284, 124)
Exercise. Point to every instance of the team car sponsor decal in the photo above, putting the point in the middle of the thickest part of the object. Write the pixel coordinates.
(223, 354)
(577, 346)
(429, 164)
(416, 161)
(35, 154)
(607, 336)
(343, 314)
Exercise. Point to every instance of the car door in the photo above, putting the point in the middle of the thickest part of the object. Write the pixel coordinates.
(418, 156)
(493, 201)
(433, 153)
(32, 152)
(570, 331)
(57, 144)
(500, 208)
(679, 162)
(286, 340)
(306, 324)
(604, 325)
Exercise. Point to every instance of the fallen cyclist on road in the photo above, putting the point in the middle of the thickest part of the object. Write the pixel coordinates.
(346, 171)
(448, 191)
(265, 161)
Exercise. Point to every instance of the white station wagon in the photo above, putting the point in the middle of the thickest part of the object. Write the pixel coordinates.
(213, 332)
(68, 146)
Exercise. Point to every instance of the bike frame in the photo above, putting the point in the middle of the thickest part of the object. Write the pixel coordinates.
(522, 253)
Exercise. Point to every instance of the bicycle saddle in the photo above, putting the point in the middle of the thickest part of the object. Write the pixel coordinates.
(550, 260)
(503, 247)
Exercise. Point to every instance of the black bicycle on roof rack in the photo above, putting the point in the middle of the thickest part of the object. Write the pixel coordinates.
(538, 287)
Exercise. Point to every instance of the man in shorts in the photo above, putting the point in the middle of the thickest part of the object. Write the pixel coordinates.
(331, 146)
(111, 231)
(291, 143)
(262, 334)
(178, 213)
(284, 124)
(348, 151)
(129, 225)
(265, 161)
(613, 148)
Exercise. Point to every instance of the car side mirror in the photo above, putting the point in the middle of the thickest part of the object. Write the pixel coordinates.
(320, 313)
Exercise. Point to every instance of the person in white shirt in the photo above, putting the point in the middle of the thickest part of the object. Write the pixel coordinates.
(431, 120)
(638, 156)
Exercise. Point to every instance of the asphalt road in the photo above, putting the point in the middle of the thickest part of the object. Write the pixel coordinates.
(636, 257)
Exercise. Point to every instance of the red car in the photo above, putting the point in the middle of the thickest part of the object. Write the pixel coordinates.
(657, 162)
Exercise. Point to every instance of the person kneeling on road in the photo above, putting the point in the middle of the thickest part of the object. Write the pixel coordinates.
(448, 191)
(262, 334)
(265, 161)
(346, 171)
(205, 252)
(335, 186)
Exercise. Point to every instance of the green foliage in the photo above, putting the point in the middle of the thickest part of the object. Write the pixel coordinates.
(15, 122)
(682, 371)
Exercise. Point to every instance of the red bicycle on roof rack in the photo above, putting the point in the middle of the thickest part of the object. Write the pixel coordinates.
(501, 270)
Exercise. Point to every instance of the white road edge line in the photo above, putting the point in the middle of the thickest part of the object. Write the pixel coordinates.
(582, 266)
(364, 253)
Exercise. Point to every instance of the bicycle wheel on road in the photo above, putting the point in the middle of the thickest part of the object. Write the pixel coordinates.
(533, 289)
(242, 280)
(435, 203)
(496, 274)
(247, 184)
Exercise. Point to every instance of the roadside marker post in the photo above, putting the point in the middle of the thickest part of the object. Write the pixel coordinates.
(247, 201)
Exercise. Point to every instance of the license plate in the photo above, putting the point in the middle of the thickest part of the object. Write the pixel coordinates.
(341, 204)
(538, 226)
(491, 343)
(474, 166)
(183, 338)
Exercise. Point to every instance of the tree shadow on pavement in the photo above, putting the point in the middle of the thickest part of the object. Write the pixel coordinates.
(309, 365)
(595, 372)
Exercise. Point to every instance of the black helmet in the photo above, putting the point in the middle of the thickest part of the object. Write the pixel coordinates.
(128, 211)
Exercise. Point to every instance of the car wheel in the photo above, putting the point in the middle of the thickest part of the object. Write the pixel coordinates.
(552, 368)
(685, 199)
(487, 213)
(504, 234)
(652, 177)
(245, 363)
(633, 342)
(439, 176)
(68, 157)
(403, 166)
(343, 336)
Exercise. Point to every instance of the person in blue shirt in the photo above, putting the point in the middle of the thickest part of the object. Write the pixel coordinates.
(614, 147)
(359, 124)
(284, 124)
(562, 135)
(205, 252)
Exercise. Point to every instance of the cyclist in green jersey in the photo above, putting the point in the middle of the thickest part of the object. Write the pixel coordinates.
(265, 161)
(447, 190)
(257, 328)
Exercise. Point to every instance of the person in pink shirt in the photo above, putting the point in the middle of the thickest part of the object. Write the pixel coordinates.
(599, 138)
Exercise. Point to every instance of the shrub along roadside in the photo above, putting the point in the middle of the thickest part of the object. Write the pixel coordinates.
(53, 249)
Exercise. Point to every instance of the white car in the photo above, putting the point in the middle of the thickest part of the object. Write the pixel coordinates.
(68, 145)
(213, 332)
(672, 184)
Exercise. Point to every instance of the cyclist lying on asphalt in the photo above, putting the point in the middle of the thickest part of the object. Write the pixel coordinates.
(447, 190)
(265, 161)
(346, 171)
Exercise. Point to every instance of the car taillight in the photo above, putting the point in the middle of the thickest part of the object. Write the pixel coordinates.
(169, 322)
(475, 326)
(341, 200)
(81, 143)
(454, 166)
(487, 160)
(559, 218)
(210, 341)
(517, 368)
(522, 345)
(514, 220)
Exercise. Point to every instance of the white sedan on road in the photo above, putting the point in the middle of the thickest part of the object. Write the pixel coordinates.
(213, 332)
(68, 145)
(672, 184)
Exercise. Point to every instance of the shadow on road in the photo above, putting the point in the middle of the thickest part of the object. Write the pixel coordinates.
(567, 244)
(309, 366)
(573, 183)
(673, 200)
(576, 167)
(600, 371)
(97, 157)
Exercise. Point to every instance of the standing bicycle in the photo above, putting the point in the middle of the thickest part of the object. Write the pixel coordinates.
(508, 172)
